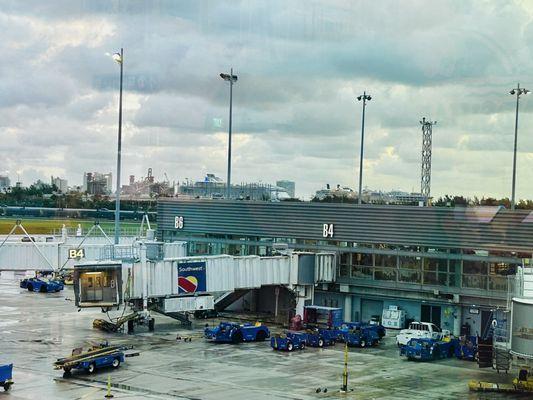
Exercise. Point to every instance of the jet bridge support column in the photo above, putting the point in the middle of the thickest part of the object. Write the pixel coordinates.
(303, 293)
(348, 308)
(457, 318)
(144, 268)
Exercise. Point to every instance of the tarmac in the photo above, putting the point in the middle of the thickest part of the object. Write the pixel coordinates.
(38, 328)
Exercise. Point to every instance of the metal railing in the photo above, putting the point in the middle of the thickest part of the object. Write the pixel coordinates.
(110, 231)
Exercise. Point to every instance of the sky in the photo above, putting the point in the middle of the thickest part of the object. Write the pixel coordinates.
(301, 65)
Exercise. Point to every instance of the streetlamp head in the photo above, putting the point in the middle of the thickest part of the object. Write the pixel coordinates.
(117, 57)
(359, 98)
(512, 92)
(525, 91)
(369, 98)
(228, 77)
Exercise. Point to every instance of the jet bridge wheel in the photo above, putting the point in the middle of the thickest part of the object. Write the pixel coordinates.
(261, 335)
(236, 338)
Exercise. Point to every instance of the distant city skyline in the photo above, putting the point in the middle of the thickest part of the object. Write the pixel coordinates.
(295, 115)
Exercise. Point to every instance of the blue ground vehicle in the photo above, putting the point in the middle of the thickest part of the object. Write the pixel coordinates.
(289, 341)
(466, 348)
(6, 376)
(89, 361)
(380, 329)
(230, 332)
(321, 337)
(350, 326)
(424, 349)
(41, 285)
(360, 337)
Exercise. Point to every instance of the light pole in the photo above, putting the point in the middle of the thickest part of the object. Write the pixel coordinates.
(517, 91)
(231, 79)
(365, 97)
(119, 58)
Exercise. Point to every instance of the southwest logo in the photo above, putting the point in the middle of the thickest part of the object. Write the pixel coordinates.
(188, 284)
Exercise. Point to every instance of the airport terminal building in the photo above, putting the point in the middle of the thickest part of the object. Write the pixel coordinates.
(450, 266)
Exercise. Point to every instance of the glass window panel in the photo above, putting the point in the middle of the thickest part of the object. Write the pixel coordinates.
(498, 283)
(475, 281)
(362, 272)
(385, 274)
(434, 264)
(388, 261)
(344, 271)
(344, 258)
(475, 267)
(407, 262)
(410, 276)
(430, 278)
(362, 259)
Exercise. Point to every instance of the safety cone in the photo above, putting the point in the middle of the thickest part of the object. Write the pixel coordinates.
(109, 395)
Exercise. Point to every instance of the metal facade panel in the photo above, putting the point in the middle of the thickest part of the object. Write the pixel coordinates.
(175, 249)
(325, 267)
(247, 272)
(180, 304)
(459, 227)
(220, 274)
(24, 256)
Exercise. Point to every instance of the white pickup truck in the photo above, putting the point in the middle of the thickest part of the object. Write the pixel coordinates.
(420, 330)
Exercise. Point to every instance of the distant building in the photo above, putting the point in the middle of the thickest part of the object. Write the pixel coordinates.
(394, 197)
(61, 184)
(397, 197)
(213, 187)
(5, 182)
(289, 186)
(146, 187)
(97, 183)
(340, 191)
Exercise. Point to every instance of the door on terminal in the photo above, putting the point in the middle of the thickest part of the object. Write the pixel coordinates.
(486, 324)
(430, 314)
(370, 308)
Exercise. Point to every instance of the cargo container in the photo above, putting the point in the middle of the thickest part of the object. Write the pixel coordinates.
(317, 316)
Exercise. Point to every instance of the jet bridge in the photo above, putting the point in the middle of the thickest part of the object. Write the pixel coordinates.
(184, 284)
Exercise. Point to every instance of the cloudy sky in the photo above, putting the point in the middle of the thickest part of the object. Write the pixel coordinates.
(301, 64)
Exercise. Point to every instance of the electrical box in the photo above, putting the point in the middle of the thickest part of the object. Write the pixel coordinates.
(393, 318)
(98, 284)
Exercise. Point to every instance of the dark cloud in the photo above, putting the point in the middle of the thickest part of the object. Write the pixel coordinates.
(300, 64)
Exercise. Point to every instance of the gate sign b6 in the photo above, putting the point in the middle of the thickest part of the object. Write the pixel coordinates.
(327, 230)
(178, 222)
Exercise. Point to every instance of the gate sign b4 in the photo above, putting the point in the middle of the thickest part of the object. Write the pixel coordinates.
(76, 253)
(327, 230)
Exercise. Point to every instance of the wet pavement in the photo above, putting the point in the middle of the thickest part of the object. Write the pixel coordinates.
(36, 329)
